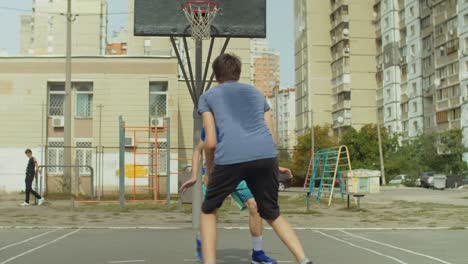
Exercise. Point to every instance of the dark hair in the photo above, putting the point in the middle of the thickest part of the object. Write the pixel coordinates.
(27, 151)
(227, 67)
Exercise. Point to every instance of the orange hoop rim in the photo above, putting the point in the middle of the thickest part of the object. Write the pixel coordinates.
(211, 6)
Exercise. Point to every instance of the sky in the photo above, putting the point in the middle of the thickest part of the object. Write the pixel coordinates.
(280, 28)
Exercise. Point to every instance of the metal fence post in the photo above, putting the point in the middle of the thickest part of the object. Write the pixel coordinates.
(168, 162)
(122, 162)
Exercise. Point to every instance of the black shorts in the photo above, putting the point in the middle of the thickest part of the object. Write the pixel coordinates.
(261, 177)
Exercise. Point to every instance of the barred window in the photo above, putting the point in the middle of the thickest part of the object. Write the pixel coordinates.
(55, 156)
(56, 99)
(158, 99)
(162, 157)
(84, 100)
(84, 155)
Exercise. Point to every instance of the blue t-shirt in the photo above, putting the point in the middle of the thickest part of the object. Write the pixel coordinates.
(239, 113)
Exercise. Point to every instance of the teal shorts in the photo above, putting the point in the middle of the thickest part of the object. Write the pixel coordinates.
(241, 195)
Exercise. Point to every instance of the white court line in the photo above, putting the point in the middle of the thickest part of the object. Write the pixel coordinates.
(279, 261)
(127, 261)
(27, 240)
(394, 247)
(364, 248)
(231, 228)
(41, 246)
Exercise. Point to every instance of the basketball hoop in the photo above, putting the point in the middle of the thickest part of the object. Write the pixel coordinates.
(200, 14)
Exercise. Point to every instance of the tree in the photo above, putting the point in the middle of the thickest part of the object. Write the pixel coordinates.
(363, 146)
(323, 137)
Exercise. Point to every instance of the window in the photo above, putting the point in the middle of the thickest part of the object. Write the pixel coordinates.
(455, 114)
(465, 19)
(413, 50)
(55, 155)
(84, 155)
(389, 112)
(385, 4)
(415, 107)
(412, 31)
(411, 10)
(466, 66)
(413, 68)
(386, 24)
(404, 108)
(466, 45)
(387, 76)
(158, 99)
(439, 95)
(414, 88)
(388, 93)
(405, 126)
(416, 125)
(84, 100)
(442, 117)
(387, 38)
(426, 22)
(56, 99)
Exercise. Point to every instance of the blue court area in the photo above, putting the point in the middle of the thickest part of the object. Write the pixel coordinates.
(175, 246)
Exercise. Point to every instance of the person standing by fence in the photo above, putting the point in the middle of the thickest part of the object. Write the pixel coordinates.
(31, 169)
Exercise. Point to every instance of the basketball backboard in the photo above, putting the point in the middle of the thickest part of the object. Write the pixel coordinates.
(236, 19)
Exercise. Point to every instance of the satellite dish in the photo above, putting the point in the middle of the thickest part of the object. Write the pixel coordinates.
(340, 119)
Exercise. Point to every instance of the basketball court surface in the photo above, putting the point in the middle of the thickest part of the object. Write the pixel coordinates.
(174, 245)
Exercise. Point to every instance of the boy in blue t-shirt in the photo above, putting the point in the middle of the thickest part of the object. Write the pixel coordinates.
(246, 152)
(244, 200)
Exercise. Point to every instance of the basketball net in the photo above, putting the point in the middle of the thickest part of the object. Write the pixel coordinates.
(200, 15)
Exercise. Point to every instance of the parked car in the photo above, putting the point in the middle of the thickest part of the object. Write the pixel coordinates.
(284, 181)
(399, 179)
(427, 179)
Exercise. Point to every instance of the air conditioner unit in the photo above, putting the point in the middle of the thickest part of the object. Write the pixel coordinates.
(129, 142)
(157, 122)
(58, 121)
(346, 50)
(451, 32)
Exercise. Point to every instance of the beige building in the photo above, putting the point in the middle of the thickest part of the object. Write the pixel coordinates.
(44, 31)
(335, 73)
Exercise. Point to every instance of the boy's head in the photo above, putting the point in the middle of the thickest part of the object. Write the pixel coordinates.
(227, 67)
(28, 153)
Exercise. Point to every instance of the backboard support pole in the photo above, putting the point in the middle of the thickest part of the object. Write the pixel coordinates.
(226, 43)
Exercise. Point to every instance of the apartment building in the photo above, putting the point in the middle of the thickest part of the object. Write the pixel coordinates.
(335, 73)
(426, 91)
(283, 103)
(265, 66)
(44, 31)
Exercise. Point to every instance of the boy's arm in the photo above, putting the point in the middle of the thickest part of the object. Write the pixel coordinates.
(195, 167)
(36, 165)
(210, 140)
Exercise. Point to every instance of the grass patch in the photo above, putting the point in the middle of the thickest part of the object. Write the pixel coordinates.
(457, 228)
(297, 212)
(354, 210)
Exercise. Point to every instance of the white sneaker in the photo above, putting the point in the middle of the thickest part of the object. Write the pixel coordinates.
(41, 201)
(24, 204)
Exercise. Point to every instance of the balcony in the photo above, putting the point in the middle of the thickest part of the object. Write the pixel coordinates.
(345, 104)
(339, 16)
(440, 17)
(338, 3)
(404, 115)
(455, 124)
(445, 104)
(378, 29)
(429, 91)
